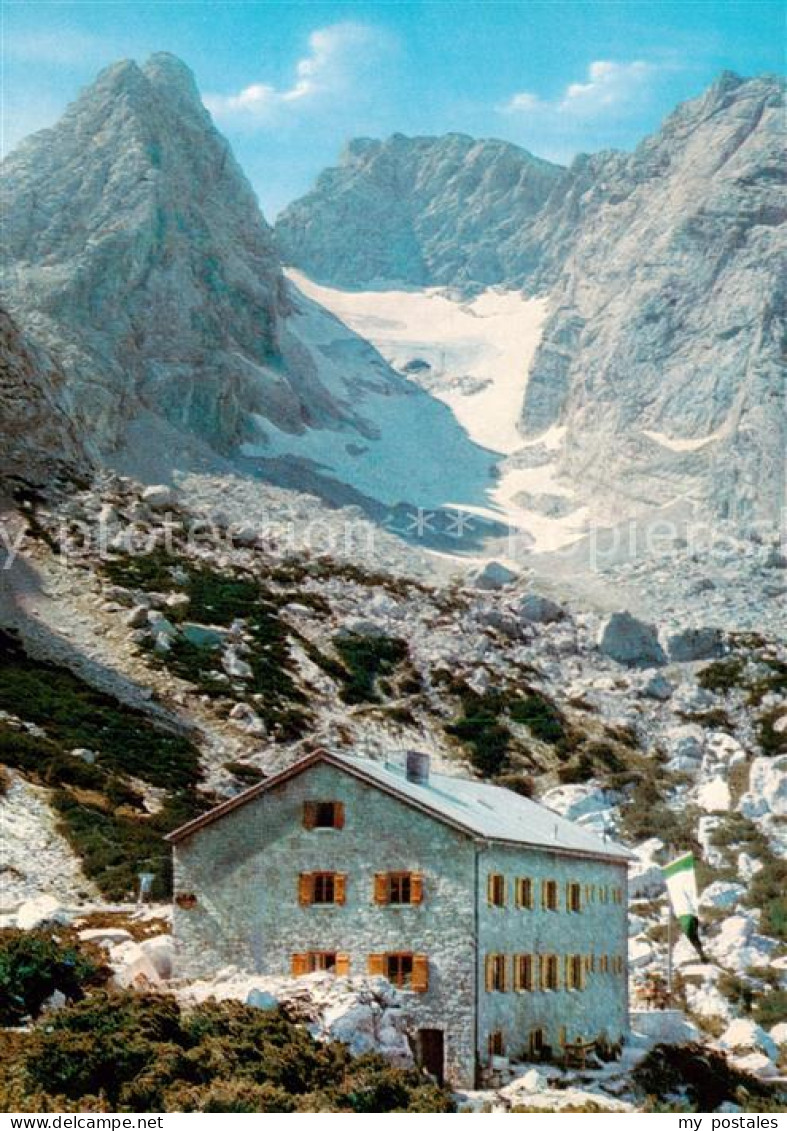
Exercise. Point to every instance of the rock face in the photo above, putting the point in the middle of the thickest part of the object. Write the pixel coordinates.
(661, 356)
(38, 436)
(134, 250)
(421, 211)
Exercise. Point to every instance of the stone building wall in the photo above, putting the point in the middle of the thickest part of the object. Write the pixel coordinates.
(600, 928)
(243, 870)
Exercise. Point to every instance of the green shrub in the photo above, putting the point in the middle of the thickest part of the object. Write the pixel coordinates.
(33, 964)
(366, 660)
(140, 1052)
(704, 1076)
(74, 714)
(539, 715)
(723, 675)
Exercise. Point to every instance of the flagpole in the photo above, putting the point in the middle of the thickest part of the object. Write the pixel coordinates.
(669, 953)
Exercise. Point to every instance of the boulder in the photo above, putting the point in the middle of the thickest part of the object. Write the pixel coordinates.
(492, 575)
(261, 999)
(695, 644)
(235, 667)
(722, 894)
(778, 1034)
(742, 1035)
(158, 497)
(44, 909)
(160, 950)
(105, 936)
(137, 617)
(767, 792)
(714, 796)
(658, 687)
(630, 641)
(539, 610)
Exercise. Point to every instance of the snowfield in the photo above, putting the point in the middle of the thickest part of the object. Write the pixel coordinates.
(477, 352)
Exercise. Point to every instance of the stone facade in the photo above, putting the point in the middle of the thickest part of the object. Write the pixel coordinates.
(237, 903)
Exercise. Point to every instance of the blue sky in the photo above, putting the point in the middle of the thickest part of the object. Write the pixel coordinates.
(289, 82)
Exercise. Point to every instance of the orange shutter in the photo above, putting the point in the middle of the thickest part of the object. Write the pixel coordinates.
(338, 814)
(381, 887)
(490, 888)
(305, 888)
(419, 980)
(343, 965)
(542, 971)
(489, 973)
(309, 814)
(300, 965)
(339, 887)
(416, 887)
(506, 982)
(376, 964)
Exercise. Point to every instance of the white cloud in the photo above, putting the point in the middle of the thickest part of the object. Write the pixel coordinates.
(611, 90)
(338, 57)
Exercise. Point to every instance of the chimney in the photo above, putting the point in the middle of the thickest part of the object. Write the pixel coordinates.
(417, 767)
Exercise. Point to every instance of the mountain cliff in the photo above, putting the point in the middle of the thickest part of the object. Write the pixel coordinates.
(420, 211)
(662, 354)
(38, 436)
(135, 252)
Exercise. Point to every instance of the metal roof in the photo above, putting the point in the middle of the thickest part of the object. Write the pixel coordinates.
(477, 808)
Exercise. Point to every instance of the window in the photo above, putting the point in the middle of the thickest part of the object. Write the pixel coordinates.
(497, 1045)
(536, 1043)
(321, 888)
(495, 973)
(603, 893)
(524, 892)
(523, 972)
(617, 964)
(313, 960)
(398, 887)
(573, 897)
(603, 963)
(590, 893)
(549, 895)
(550, 977)
(496, 889)
(575, 973)
(323, 815)
(403, 969)
(617, 895)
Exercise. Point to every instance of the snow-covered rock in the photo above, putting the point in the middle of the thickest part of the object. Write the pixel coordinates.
(743, 1034)
(40, 911)
(714, 796)
(722, 893)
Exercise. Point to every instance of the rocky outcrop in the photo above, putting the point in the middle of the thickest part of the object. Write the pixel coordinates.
(421, 211)
(37, 435)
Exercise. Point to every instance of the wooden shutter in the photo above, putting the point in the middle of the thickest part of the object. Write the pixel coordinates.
(542, 970)
(342, 965)
(419, 980)
(490, 888)
(300, 965)
(376, 964)
(339, 887)
(505, 983)
(489, 973)
(305, 888)
(416, 887)
(381, 887)
(338, 814)
(309, 814)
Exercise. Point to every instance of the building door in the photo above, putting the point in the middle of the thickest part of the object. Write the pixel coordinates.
(431, 1053)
